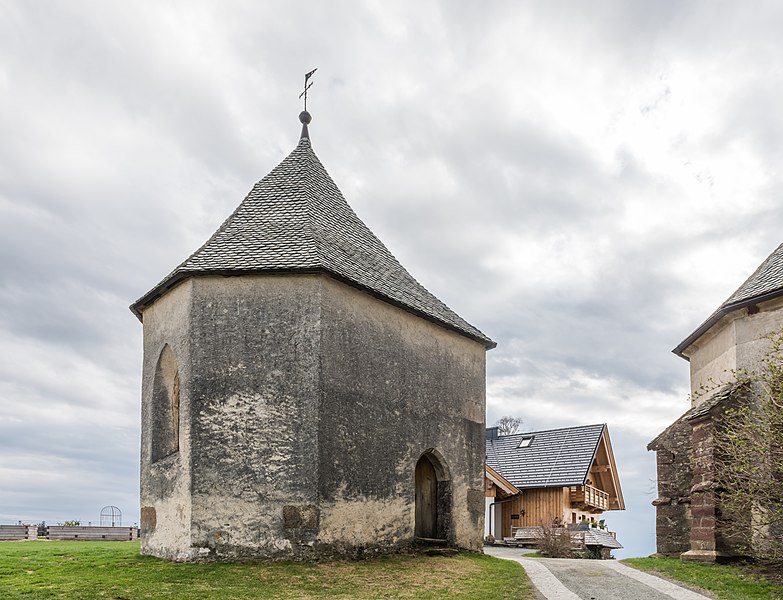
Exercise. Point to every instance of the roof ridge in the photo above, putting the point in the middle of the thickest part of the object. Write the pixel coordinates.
(550, 430)
(303, 143)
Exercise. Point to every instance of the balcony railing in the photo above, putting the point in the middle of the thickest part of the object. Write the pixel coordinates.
(589, 498)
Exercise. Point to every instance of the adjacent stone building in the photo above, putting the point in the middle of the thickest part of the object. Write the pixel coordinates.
(734, 337)
(302, 394)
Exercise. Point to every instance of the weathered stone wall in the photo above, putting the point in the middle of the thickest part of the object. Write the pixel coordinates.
(165, 484)
(304, 407)
(709, 538)
(738, 341)
(255, 359)
(689, 522)
(703, 507)
(394, 387)
(674, 454)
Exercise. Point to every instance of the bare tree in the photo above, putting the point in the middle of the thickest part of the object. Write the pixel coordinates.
(556, 540)
(508, 425)
(749, 460)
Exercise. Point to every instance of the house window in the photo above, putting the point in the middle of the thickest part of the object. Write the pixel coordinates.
(525, 441)
(165, 406)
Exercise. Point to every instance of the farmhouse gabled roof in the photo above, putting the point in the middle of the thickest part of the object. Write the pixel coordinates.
(764, 284)
(553, 458)
(501, 482)
(295, 220)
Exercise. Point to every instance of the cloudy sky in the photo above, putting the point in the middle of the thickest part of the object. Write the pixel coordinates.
(583, 182)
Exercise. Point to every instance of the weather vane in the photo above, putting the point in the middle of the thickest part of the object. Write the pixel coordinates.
(307, 86)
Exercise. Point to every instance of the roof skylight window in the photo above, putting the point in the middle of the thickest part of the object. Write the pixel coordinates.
(525, 441)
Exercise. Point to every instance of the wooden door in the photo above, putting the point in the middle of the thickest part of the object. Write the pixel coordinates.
(426, 499)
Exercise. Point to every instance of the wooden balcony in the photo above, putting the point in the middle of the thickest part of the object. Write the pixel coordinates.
(586, 497)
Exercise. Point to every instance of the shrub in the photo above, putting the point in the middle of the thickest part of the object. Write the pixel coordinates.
(555, 541)
(749, 460)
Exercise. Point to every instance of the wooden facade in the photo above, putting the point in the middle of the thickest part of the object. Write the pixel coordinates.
(534, 508)
(544, 506)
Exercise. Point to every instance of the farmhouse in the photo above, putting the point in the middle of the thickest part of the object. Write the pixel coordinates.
(564, 476)
(303, 395)
(734, 337)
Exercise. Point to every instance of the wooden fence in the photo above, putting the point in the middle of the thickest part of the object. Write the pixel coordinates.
(61, 532)
(18, 532)
(92, 533)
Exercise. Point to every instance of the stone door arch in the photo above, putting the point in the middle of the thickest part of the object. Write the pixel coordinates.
(433, 497)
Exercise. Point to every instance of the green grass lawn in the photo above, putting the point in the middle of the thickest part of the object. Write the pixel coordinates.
(732, 582)
(116, 571)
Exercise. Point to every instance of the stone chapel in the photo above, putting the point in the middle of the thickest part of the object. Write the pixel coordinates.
(303, 395)
(734, 337)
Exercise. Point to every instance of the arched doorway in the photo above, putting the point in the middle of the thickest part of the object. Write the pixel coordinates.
(433, 498)
(426, 499)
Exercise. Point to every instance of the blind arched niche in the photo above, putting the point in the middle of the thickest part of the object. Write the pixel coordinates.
(165, 406)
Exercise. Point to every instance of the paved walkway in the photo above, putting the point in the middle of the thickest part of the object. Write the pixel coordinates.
(579, 579)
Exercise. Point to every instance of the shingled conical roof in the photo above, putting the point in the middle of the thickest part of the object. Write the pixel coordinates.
(296, 220)
(765, 283)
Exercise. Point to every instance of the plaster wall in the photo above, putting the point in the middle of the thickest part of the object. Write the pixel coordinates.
(165, 484)
(738, 341)
(713, 359)
(753, 331)
(255, 349)
(488, 519)
(395, 386)
(305, 406)
(493, 518)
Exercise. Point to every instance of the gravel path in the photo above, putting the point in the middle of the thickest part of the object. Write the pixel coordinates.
(578, 579)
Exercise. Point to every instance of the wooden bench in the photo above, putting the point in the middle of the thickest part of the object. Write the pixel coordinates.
(532, 536)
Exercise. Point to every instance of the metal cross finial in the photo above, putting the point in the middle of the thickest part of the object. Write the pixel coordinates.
(306, 86)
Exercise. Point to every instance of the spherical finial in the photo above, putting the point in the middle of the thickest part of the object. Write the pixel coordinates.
(305, 117)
